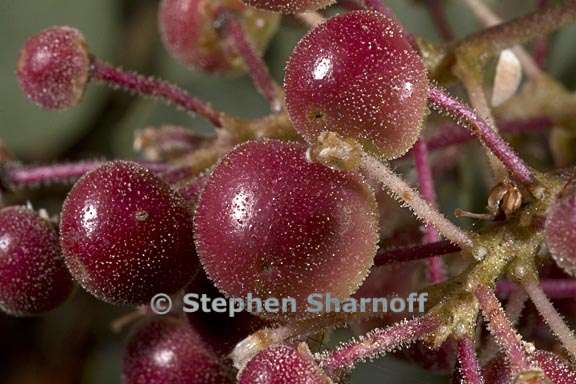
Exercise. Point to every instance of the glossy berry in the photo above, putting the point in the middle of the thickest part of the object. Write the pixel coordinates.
(189, 31)
(283, 365)
(126, 235)
(168, 350)
(357, 75)
(560, 230)
(289, 6)
(54, 68)
(33, 277)
(271, 223)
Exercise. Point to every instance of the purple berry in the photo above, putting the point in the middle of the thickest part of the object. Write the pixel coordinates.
(33, 277)
(560, 230)
(289, 6)
(54, 68)
(189, 32)
(357, 75)
(271, 223)
(169, 351)
(126, 235)
(283, 365)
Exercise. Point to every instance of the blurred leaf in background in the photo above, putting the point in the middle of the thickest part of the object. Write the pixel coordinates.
(29, 131)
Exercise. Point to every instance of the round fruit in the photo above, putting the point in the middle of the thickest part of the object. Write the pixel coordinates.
(189, 31)
(271, 223)
(126, 235)
(560, 230)
(54, 68)
(357, 75)
(33, 277)
(289, 6)
(283, 365)
(169, 351)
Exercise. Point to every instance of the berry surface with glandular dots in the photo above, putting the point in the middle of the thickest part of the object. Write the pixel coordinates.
(54, 68)
(271, 223)
(168, 350)
(357, 75)
(189, 32)
(283, 364)
(560, 229)
(126, 235)
(33, 277)
(289, 6)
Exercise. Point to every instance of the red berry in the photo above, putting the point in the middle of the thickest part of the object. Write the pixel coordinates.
(560, 230)
(54, 68)
(289, 6)
(189, 32)
(271, 223)
(33, 277)
(126, 235)
(169, 351)
(283, 365)
(357, 75)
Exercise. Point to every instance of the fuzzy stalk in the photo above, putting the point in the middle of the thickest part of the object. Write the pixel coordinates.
(442, 102)
(397, 187)
(550, 315)
(468, 366)
(376, 343)
(435, 265)
(158, 89)
(257, 68)
(502, 330)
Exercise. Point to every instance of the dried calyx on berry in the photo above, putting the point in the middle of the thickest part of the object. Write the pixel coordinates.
(33, 277)
(289, 6)
(126, 235)
(189, 31)
(54, 68)
(271, 223)
(357, 75)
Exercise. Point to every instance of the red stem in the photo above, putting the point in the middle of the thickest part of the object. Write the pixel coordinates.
(438, 16)
(379, 6)
(502, 330)
(377, 343)
(256, 66)
(351, 5)
(148, 86)
(28, 176)
(554, 288)
(542, 45)
(469, 366)
(453, 134)
(414, 252)
(426, 181)
(444, 103)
